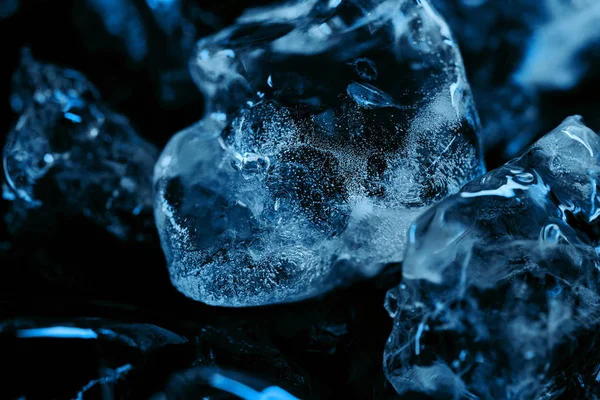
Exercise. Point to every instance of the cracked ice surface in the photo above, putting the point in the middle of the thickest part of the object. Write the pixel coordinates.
(329, 127)
(501, 281)
(69, 152)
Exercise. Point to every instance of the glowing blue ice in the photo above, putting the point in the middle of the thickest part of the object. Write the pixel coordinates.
(246, 392)
(62, 332)
(329, 126)
(506, 272)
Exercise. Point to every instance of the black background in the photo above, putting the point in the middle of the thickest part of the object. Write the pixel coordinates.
(79, 270)
(76, 269)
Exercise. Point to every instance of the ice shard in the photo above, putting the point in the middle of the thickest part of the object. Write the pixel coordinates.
(68, 154)
(500, 297)
(329, 127)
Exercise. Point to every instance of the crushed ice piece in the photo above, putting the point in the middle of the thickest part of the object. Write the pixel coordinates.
(69, 154)
(235, 362)
(504, 274)
(329, 128)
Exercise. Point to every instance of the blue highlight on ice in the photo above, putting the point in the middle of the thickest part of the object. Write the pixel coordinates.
(62, 332)
(246, 392)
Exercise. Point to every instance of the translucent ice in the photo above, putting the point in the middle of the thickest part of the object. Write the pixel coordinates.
(329, 126)
(68, 154)
(500, 298)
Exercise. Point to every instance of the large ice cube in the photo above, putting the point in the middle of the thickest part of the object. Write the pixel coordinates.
(500, 298)
(329, 126)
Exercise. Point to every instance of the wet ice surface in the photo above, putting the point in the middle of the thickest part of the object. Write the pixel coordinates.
(329, 128)
(68, 154)
(500, 298)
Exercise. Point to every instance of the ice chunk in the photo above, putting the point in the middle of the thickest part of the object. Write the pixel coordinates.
(328, 129)
(245, 392)
(68, 154)
(500, 297)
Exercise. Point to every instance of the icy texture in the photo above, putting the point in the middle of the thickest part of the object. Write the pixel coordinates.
(329, 127)
(70, 155)
(500, 298)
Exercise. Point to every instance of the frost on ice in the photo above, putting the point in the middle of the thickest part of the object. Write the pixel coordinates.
(500, 298)
(329, 126)
(68, 154)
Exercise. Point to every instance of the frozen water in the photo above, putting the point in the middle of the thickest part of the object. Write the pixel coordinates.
(230, 363)
(68, 150)
(500, 298)
(329, 127)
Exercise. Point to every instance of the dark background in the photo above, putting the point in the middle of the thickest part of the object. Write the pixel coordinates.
(76, 269)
